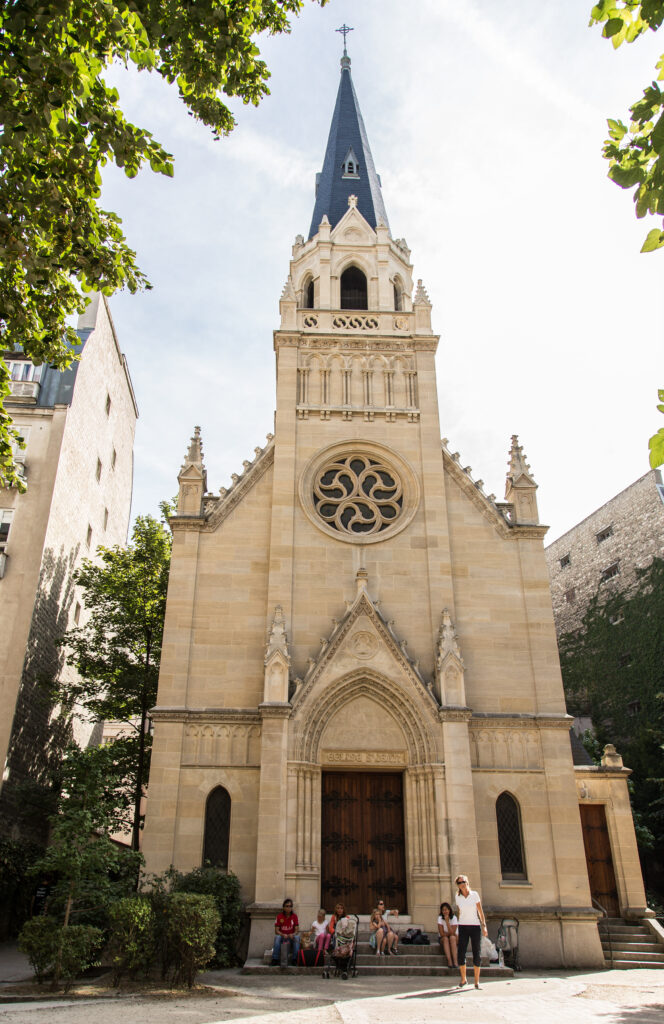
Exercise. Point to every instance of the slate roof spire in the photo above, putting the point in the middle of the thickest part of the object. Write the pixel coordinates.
(348, 168)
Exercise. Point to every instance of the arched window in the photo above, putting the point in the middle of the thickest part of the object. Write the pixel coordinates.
(353, 289)
(217, 828)
(510, 838)
(309, 295)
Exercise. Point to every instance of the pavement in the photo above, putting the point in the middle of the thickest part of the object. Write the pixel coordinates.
(542, 997)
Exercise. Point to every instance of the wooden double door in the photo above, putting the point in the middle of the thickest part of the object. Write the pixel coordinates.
(363, 856)
(597, 843)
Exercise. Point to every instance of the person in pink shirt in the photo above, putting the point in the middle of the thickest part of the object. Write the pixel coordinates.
(319, 932)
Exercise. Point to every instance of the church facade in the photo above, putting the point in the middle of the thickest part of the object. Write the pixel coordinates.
(360, 693)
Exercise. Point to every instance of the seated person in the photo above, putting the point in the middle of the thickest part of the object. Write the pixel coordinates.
(286, 929)
(391, 944)
(320, 935)
(377, 932)
(447, 929)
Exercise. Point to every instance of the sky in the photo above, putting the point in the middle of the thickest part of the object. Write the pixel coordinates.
(486, 122)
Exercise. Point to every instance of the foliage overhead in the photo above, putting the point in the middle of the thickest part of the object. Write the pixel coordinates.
(636, 151)
(61, 123)
(613, 670)
(656, 442)
(117, 651)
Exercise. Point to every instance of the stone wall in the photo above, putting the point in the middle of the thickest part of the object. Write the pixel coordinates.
(626, 533)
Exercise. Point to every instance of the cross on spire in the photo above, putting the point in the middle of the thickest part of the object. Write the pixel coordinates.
(345, 29)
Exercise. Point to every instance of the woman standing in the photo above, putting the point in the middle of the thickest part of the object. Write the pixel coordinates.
(447, 930)
(472, 925)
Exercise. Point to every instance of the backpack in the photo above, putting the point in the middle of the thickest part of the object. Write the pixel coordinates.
(421, 939)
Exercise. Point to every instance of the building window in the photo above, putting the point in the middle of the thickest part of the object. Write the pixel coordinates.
(24, 370)
(88, 539)
(351, 167)
(604, 534)
(105, 518)
(570, 595)
(217, 828)
(6, 516)
(108, 404)
(77, 613)
(308, 294)
(353, 289)
(113, 458)
(610, 572)
(98, 471)
(565, 561)
(510, 839)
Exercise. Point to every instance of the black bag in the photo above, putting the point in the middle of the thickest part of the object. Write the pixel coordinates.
(421, 939)
(410, 936)
(309, 958)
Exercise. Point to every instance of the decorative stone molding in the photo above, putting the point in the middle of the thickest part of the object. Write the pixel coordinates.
(450, 686)
(355, 323)
(385, 457)
(231, 498)
(277, 661)
(248, 716)
(213, 745)
(505, 748)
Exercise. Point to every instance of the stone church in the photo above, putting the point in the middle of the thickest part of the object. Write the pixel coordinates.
(360, 693)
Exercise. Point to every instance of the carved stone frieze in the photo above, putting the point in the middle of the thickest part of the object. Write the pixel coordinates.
(505, 748)
(213, 744)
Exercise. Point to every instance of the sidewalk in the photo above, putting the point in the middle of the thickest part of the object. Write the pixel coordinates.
(598, 997)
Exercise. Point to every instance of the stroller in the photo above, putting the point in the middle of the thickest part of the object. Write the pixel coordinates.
(507, 943)
(342, 956)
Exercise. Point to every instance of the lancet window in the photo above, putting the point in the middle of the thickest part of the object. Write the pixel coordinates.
(510, 837)
(217, 828)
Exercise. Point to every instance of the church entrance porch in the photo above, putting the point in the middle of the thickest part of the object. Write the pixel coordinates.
(362, 840)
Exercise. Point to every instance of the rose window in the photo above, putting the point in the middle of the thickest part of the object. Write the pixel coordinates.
(357, 494)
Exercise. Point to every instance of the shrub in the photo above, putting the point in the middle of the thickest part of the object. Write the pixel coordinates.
(64, 952)
(192, 922)
(38, 939)
(133, 936)
(225, 890)
(78, 944)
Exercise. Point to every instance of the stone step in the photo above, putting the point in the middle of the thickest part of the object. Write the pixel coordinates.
(406, 959)
(633, 947)
(629, 965)
(651, 956)
(387, 966)
(624, 930)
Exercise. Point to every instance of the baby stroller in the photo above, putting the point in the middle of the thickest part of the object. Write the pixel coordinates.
(342, 956)
(507, 943)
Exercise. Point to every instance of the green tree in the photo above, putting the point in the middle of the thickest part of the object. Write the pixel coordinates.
(61, 123)
(118, 651)
(613, 670)
(636, 151)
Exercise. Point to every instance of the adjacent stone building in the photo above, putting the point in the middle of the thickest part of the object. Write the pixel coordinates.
(78, 426)
(360, 693)
(603, 552)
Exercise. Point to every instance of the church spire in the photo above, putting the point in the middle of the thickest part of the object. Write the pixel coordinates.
(348, 168)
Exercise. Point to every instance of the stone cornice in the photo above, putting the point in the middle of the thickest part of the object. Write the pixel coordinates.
(184, 714)
(274, 710)
(502, 720)
(535, 913)
(355, 343)
(186, 524)
(598, 771)
(449, 713)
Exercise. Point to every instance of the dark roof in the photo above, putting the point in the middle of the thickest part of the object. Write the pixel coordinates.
(347, 132)
(579, 753)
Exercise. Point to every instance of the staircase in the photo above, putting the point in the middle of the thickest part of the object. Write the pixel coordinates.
(628, 944)
(411, 961)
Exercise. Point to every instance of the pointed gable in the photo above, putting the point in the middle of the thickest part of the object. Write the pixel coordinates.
(347, 145)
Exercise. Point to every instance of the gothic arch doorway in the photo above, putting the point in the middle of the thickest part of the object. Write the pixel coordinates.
(363, 857)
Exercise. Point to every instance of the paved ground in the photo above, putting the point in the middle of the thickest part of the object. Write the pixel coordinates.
(561, 997)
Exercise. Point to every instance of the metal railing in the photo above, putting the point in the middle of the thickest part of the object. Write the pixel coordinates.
(605, 912)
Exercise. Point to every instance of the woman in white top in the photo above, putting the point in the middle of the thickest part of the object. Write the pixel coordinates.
(447, 929)
(472, 925)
